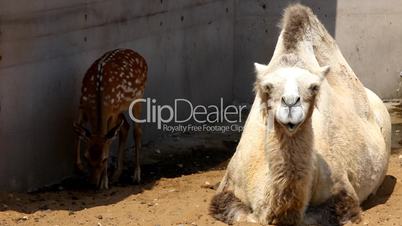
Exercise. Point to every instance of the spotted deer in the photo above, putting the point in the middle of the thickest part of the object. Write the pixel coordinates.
(108, 88)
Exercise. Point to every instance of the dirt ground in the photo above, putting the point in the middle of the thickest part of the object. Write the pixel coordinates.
(176, 190)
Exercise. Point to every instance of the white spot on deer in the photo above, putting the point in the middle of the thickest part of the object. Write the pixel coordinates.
(101, 88)
(110, 80)
(137, 60)
(85, 98)
(112, 101)
(121, 75)
(129, 83)
(137, 81)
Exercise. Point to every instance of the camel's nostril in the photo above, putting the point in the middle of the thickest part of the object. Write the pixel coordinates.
(283, 101)
(290, 101)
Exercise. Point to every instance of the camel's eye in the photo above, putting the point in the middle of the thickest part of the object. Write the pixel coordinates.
(315, 88)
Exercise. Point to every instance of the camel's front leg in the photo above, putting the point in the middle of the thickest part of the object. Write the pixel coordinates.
(226, 207)
(346, 206)
(341, 207)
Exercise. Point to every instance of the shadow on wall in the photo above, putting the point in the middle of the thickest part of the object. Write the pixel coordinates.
(256, 33)
(41, 70)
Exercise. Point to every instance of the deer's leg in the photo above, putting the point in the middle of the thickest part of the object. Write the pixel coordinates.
(78, 163)
(123, 136)
(137, 138)
(104, 181)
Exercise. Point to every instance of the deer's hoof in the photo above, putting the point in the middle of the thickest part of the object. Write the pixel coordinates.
(104, 183)
(137, 176)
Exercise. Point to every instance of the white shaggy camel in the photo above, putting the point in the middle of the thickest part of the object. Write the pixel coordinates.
(314, 137)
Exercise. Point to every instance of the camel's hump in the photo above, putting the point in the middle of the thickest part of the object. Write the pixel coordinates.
(295, 22)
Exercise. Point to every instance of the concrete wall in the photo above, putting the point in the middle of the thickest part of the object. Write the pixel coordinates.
(47, 45)
(256, 33)
(369, 34)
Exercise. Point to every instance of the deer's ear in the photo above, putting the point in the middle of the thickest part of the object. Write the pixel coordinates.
(82, 132)
(113, 132)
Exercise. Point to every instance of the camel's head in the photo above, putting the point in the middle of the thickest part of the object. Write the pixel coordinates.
(289, 93)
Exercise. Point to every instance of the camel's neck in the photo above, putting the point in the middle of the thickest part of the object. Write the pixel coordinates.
(290, 168)
(290, 157)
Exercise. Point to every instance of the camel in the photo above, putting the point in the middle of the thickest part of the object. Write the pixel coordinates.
(315, 136)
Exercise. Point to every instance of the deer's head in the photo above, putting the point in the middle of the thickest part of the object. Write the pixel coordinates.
(97, 151)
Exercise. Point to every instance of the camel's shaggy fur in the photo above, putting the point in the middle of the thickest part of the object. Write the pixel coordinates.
(336, 156)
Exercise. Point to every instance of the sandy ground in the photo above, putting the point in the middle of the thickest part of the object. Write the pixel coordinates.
(176, 191)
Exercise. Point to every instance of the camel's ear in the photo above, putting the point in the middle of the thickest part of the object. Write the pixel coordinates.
(324, 71)
(260, 68)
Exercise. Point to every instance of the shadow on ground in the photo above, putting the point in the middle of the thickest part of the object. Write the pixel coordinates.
(383, 194)
(177, 156)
